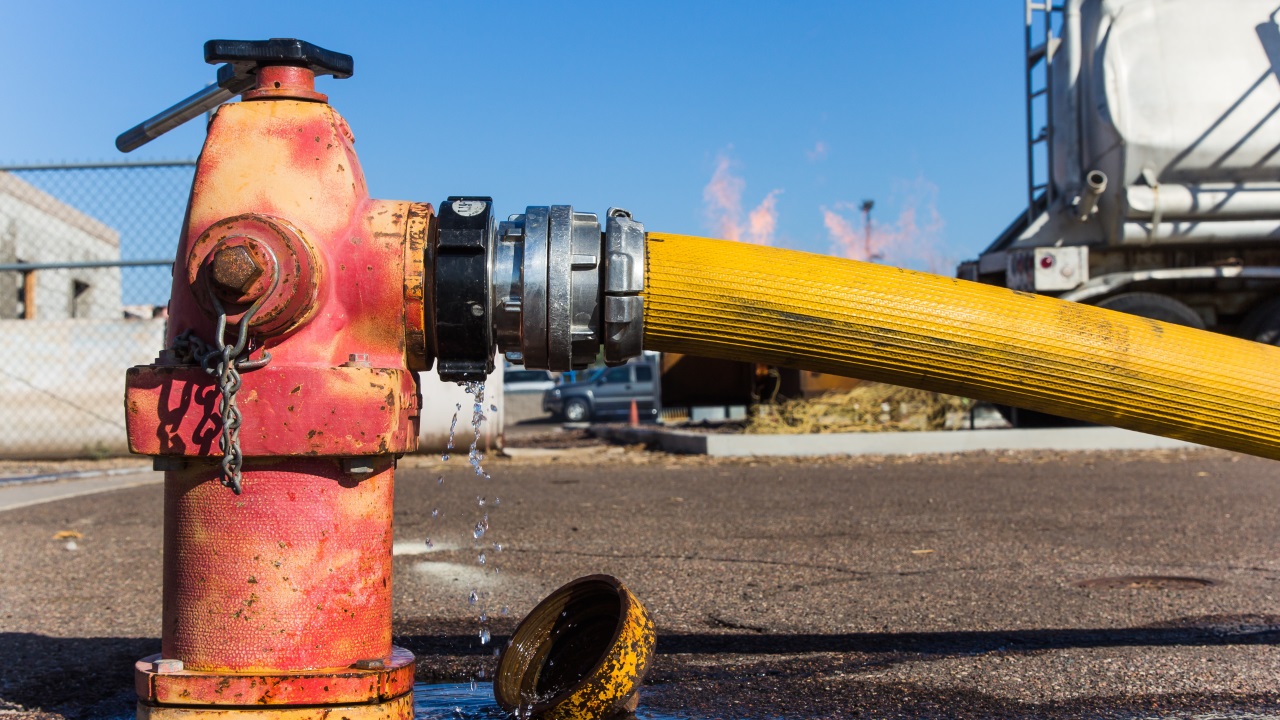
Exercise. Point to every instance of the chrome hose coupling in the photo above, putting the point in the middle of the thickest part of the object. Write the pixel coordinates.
(548, 288)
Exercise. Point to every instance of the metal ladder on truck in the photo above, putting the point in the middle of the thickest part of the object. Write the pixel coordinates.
(1041, 46)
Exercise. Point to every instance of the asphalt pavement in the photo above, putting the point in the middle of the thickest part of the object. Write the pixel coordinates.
(1122, 584)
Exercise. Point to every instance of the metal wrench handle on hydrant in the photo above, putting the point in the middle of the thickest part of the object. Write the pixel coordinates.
(243, 60)
(301, 312)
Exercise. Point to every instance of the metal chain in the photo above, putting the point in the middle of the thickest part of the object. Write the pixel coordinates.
(189, 349)
(224, 362)
(228, 385)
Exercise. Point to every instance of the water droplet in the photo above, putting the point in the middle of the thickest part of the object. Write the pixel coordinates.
(474, 455)
(429, 543)
(506, 610)
(453, 429)
(435, 512)
(476, 458)
(497, 547)
(440, 480)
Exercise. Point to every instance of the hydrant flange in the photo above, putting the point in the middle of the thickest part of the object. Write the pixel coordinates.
(355, 685)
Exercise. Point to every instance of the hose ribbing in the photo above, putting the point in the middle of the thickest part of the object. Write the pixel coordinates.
(735, 301)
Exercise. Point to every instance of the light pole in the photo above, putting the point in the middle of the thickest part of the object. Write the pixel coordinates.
(866, 222)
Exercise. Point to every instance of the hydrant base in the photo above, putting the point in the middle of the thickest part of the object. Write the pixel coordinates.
(400, 708)
(388, 679)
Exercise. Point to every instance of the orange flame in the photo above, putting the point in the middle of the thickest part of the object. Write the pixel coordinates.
(913, 240)
(723, 200)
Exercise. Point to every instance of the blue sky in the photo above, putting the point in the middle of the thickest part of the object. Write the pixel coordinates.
(916, 103)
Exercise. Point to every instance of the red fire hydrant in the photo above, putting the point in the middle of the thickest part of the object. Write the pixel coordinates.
(300, 313)
(296, 314)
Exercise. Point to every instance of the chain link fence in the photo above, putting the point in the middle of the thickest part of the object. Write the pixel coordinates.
(85, 261)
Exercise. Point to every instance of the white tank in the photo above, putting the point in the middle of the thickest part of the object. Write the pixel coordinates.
(1177, 102)
(1183, 89)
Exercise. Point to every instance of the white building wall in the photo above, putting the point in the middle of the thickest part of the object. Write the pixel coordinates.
(35, 227)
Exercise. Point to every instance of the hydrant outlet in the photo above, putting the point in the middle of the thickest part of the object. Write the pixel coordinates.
(255, 258)
(548, 288)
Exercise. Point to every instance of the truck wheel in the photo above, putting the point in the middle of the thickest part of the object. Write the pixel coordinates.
(577, 410)
(1262, 324)
(1154, 307)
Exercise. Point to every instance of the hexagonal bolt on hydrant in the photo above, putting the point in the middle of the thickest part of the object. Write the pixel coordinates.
(234, 270)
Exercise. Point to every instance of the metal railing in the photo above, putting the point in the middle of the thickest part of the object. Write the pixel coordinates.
(85, 274)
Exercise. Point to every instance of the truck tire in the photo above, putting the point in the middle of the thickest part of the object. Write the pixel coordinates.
(577, 410)
(1142, 304)
(1262, 324)
(1154, 307)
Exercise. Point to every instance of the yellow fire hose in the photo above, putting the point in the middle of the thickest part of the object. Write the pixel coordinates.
(735, 301)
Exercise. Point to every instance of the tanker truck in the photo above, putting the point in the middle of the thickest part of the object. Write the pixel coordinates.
(1153, 163)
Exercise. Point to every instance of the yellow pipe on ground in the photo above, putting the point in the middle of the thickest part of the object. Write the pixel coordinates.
(735, 301)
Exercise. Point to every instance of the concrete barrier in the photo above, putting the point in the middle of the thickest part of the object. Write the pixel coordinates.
(62, 384)
(887, 443)
(523, 406)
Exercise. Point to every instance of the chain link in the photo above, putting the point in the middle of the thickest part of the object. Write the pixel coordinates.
(224, 362)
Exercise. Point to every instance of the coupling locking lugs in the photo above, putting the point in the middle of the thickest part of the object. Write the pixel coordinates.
(561, 288)
(623, 282)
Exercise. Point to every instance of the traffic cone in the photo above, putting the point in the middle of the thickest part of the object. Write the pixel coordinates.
(634, 420)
